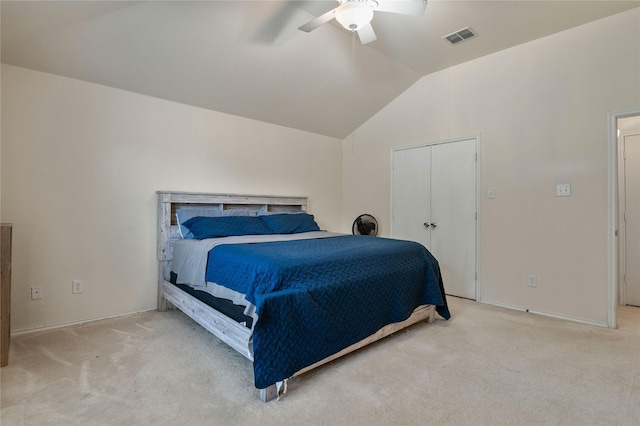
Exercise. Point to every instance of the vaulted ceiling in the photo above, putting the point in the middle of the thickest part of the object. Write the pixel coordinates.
(248, 58)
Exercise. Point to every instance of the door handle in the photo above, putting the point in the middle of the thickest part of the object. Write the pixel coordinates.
(430, 224)
(433, 224)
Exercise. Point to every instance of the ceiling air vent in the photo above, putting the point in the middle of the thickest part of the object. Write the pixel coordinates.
(460, 35)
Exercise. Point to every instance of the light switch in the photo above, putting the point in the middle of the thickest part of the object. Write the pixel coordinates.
(491, 193)
(563, 190)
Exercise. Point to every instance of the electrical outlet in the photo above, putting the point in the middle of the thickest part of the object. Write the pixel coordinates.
(76, 286)
(563, 190)
(533, 281)
(36, 293)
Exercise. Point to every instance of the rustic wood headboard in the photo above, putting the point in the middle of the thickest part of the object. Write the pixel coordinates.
(168, 201)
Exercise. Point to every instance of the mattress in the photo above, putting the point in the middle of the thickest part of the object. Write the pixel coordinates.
(189, 264)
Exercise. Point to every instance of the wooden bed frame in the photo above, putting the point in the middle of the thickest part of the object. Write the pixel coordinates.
(231, 332)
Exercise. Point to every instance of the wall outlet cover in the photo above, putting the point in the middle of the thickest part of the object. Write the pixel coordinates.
(563, 190)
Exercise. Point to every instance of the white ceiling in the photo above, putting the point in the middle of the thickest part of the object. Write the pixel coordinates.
(247, 58)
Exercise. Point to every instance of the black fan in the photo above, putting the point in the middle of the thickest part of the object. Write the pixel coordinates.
(365, 224)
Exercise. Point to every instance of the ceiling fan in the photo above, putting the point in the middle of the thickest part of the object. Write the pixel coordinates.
(356, 15)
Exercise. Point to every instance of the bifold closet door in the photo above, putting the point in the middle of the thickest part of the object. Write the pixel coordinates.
(434, 203)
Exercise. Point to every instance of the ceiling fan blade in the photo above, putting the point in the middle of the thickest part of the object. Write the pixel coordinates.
(366, 34)
(275, 25)
(404, 7)
(315, 23)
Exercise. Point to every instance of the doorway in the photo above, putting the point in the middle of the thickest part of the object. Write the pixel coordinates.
(615, 291)
(628, 135)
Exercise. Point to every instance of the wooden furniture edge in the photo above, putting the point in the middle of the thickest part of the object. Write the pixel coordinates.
(217, 198)
(229, 331)
(5, 292)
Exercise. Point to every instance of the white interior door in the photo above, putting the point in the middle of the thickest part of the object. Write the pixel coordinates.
(453, 214)
(434, 203)
(632, 219)
(411, 194)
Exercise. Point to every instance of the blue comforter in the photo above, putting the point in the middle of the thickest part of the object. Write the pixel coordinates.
(316, 297)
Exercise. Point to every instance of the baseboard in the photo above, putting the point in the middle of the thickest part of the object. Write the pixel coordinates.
(547, 314)
(68, 324)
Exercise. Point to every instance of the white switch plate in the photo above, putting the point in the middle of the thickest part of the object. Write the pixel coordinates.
(76, 286)
(563, 190)
(491, 193)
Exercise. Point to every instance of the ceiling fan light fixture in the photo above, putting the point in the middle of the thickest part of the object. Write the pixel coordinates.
(354, 15)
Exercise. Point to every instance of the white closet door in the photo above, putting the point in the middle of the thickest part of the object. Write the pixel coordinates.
(632, 222)
(411, 195)
(434, 203)
(453, 211)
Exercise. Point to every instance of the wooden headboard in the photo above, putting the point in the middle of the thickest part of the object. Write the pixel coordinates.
(168, 202)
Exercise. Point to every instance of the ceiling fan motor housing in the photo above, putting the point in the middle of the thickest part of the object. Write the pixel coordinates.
(353, 15)
(356, 15)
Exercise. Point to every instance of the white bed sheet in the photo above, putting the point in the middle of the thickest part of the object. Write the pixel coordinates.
(190, 262)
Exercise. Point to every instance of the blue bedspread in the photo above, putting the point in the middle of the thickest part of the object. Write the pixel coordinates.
(316, 297)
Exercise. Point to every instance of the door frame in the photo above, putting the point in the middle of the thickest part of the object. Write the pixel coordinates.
(612, 223)
(478, 144)
(622, 223)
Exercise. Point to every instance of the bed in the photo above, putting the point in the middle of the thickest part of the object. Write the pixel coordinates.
(258, 273)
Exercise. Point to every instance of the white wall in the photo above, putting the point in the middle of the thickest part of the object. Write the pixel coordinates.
(541, 112)
(80, 166)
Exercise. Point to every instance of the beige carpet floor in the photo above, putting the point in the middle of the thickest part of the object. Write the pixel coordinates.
(486, 366)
